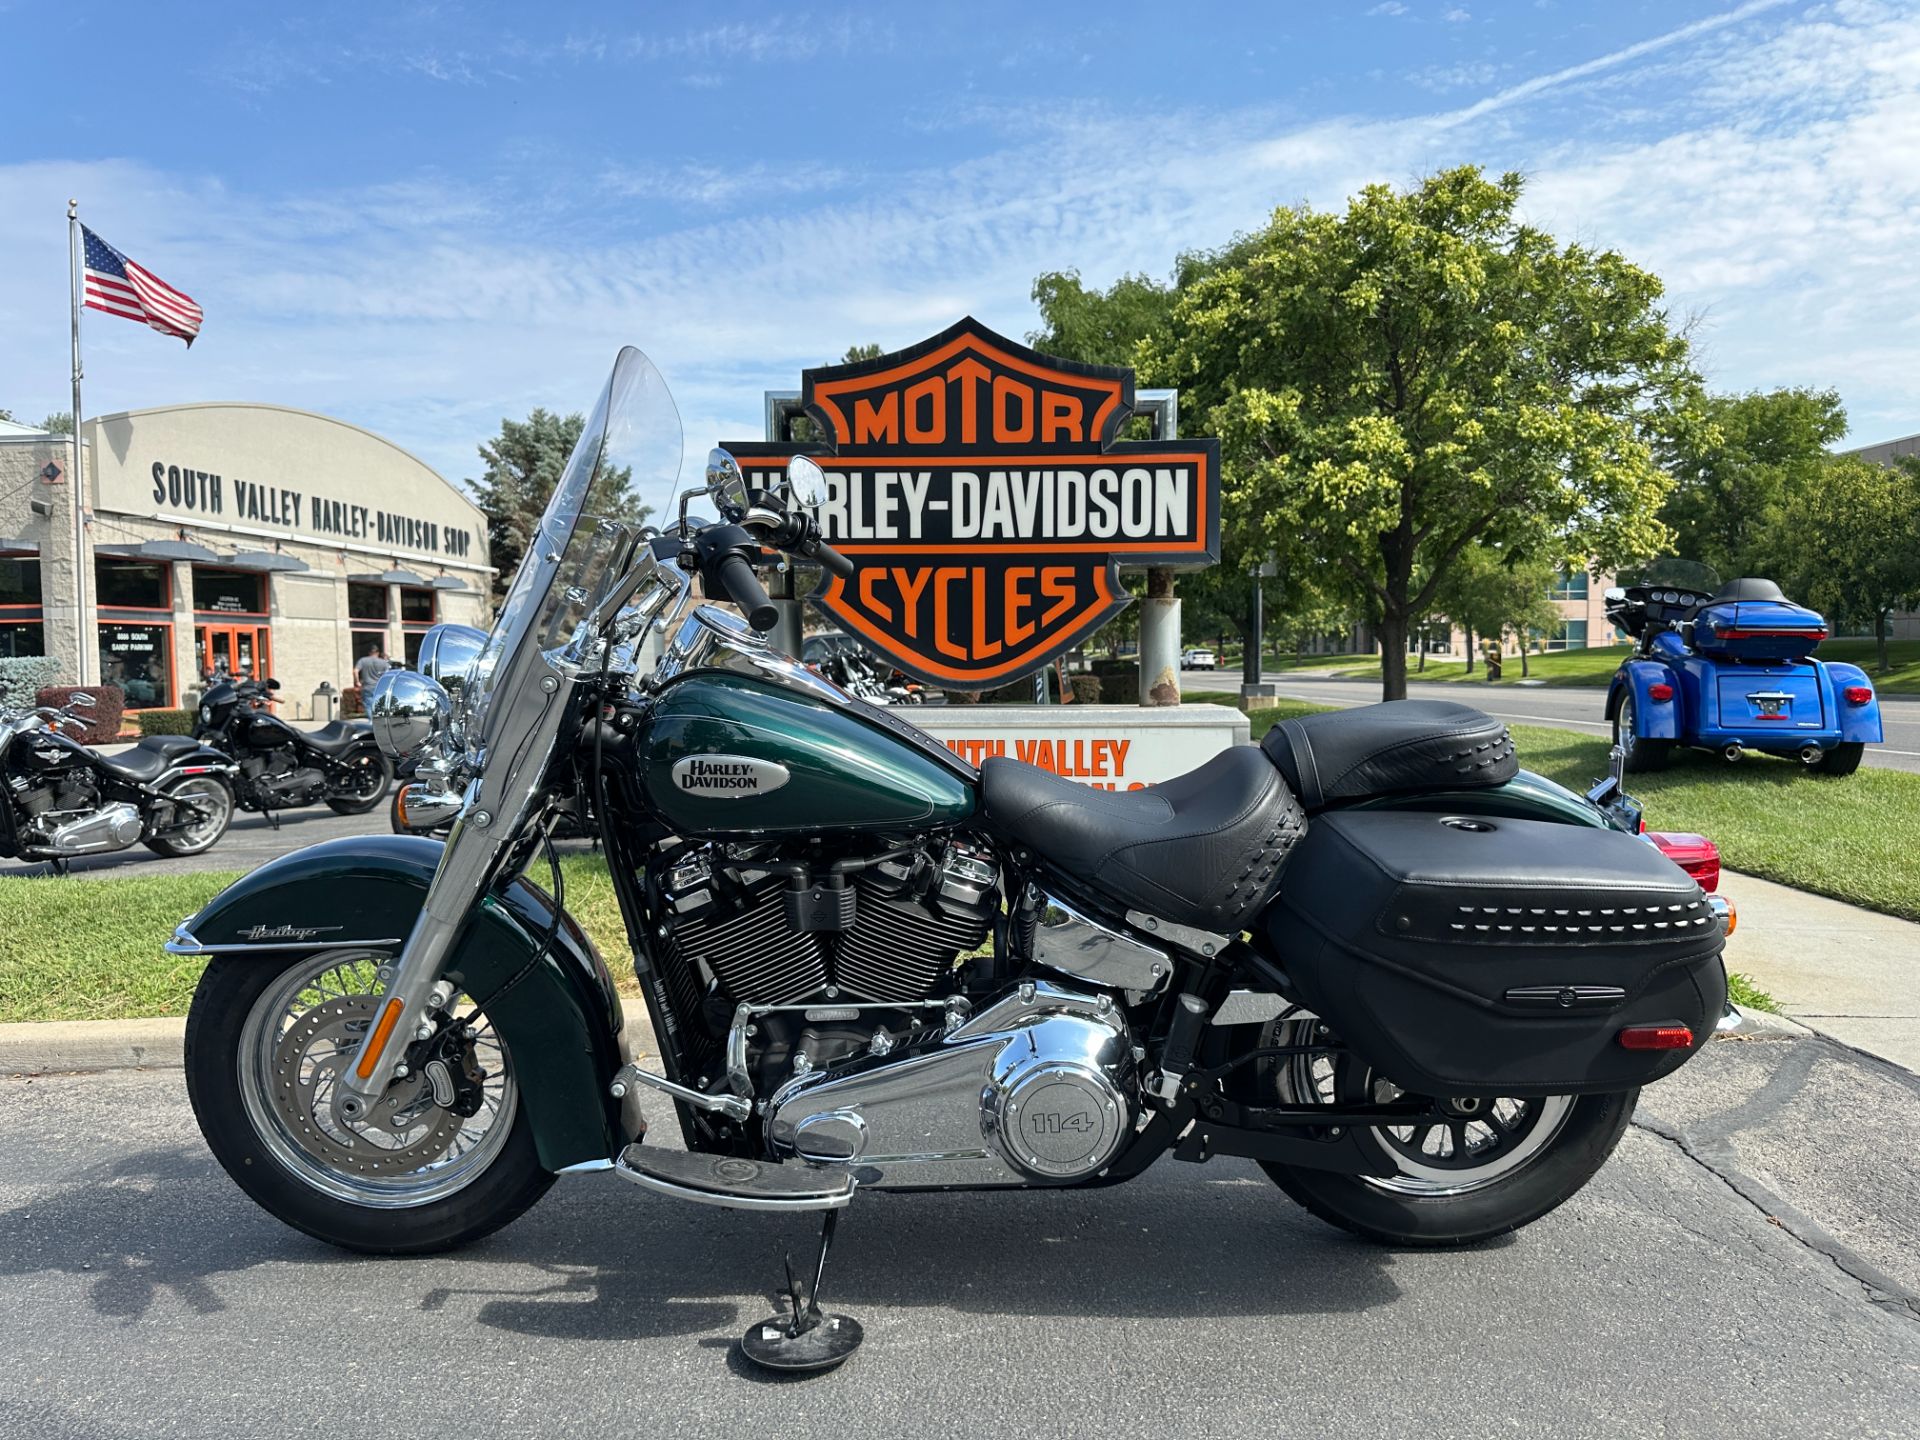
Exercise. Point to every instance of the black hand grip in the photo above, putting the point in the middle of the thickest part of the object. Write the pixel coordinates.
(1183, 1034)
(832, 561)
(744, 589)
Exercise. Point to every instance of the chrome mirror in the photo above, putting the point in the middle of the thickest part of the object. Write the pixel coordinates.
(408, 711)
(806, 482)
(725, 483)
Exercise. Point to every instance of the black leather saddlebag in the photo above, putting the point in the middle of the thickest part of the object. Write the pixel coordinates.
(1469, 956)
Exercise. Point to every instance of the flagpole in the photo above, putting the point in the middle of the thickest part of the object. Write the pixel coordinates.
(79, 479)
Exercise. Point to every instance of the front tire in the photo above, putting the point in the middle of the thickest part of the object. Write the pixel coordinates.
(1641, 754)
(262, 1042)
(372, 775)
(1478, 1177)
(1842, 759)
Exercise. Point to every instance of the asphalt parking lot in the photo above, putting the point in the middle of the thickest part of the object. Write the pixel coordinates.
(1747, 1265)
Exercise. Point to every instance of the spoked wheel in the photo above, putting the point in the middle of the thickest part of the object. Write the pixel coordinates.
(446, 1154)
(363, 783)
(1493, 1165)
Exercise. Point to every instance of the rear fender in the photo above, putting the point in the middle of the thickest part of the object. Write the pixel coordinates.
(1653, 719)
(1858, 723)
(203, 761)
(561, 1021)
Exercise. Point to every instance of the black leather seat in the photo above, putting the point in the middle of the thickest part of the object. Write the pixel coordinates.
(1749, 588)
(151, 758)
(1344, 755)
(338, 736)
(1203, 850)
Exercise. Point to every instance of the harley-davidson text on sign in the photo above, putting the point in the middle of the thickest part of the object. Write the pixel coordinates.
(980, 491)
(1110, 747)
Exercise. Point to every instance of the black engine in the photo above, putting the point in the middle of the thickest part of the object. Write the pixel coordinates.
(751, 925)
(277, 780)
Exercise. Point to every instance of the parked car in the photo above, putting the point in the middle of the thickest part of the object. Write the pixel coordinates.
(1198, 659)
(1730, 668)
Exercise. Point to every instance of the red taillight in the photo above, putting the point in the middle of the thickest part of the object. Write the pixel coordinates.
(1814, 635)
(1656, 1037)
(1662, 691)
(1695, 854)
(1859, 694)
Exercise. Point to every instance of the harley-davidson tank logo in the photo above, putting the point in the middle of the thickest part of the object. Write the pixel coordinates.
(727, 777)
(287, 932)
(981, 491)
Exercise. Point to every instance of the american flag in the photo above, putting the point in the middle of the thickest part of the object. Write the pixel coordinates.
(122, 287)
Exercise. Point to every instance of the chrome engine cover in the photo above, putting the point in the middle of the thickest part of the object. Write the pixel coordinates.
(1038, 1087)
(111, 827)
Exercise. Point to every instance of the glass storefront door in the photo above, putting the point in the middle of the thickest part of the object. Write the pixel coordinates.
(242, 652)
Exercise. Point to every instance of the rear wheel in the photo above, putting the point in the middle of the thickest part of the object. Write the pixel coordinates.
(1842, 759)
(212, 799)
(449, 1156)
(1641, 753)
(1495, 1165)
(361, 783)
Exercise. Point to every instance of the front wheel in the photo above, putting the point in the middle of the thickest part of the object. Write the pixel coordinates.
(1496, 1165)
(449, 1156)
(361, 782)
(1842, 759)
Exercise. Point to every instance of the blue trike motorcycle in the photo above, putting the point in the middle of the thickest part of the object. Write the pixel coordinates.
(1730, 668)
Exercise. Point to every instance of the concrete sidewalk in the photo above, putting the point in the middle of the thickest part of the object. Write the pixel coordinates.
(1849, 973)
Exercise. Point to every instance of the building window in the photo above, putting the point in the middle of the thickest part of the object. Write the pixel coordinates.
(19, 580)
(365, 643)
(227, 592)
(22, 637)
(1571, 585)
(138, 659)
(1568, 635)
(132, 584)
(416, 607)
(366, 602)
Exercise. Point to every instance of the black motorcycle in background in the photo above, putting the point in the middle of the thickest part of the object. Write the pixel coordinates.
(280, 767)
(59, 798)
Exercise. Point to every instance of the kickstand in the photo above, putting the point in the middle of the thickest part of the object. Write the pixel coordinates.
(806, 1338)
(273, 820)
(58, 867)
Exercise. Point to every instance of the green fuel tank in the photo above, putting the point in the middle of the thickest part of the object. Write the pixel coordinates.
(780, 751)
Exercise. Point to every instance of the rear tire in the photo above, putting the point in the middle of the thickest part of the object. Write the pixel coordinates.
(197, 839)
(367, 763)
(1642, 755)
(1842, 759)
(284, 1177)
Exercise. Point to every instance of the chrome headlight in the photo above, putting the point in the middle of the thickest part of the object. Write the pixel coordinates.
(408, 712)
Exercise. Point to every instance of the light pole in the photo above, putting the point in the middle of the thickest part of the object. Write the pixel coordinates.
(1252, 687)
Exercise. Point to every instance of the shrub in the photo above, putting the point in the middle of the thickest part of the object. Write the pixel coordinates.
(1088, 689)
(22, 676)
(350, 705)
(103, 721)
(963, 697)
(164, 722)
(1121, 686)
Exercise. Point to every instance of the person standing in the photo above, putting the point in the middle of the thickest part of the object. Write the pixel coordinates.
(370, 667)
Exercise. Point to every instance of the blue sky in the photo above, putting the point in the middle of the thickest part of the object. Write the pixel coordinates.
(421, 217)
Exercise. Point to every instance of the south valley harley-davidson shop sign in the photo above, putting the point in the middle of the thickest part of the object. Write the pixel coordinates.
(980, 490)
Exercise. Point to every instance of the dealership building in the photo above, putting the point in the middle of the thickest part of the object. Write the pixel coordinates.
(230, 539)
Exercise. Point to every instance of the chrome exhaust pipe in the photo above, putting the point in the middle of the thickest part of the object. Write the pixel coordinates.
(1732, 754)
(1811, 754)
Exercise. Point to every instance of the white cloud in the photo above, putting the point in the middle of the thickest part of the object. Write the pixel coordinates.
(1456, 16)
(1769, 170)
(1388, 7)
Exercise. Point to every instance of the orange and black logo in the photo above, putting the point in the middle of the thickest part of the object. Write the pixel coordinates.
(980, 490)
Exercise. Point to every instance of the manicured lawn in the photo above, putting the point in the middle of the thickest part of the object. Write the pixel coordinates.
(1595, 666)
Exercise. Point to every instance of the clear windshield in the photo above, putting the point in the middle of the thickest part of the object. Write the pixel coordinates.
(623, 473)
(1682, 574)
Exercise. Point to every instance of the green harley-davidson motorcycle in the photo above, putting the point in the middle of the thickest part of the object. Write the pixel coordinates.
(1419, 986)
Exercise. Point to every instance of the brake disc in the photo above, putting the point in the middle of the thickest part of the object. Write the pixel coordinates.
(405, 1131)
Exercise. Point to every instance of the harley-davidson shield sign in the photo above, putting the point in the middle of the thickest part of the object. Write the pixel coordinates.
(980, 490)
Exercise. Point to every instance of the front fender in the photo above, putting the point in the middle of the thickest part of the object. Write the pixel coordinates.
(560, 1020)
(1653, 719)
(1857, 722)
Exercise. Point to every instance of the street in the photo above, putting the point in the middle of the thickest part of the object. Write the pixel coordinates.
(1748, 1264)
(249, 843)
(1567, 707)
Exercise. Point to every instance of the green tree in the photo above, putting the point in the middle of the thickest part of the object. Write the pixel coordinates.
(1491, 594)
(523, 464)
(861, 352)
(1424, 373)
(60, 422)
(1732, 473)
(1099, 327)
(1852, 530)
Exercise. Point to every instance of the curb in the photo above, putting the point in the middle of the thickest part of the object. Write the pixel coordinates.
(52, 1047)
